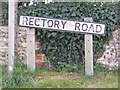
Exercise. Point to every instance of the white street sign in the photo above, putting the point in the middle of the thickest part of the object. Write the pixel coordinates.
(62, 25)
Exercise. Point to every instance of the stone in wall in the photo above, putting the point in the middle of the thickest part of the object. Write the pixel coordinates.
(109, 57)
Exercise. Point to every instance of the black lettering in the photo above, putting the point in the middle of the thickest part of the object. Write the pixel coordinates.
(44, 21)
(77, 26)
(84, 27)
(31, 21)
(56, 23)
(98, 28)
(25, 20)
(91, 28)
(63, 23)
(36, 22)
(50, 23)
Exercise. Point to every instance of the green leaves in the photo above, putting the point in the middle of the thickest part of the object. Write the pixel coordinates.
(64, 47)
(69, 47)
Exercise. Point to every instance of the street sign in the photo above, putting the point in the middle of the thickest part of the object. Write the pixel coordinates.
(62, 25)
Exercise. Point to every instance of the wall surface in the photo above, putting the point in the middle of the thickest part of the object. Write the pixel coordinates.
(20, 45)
(111, 55)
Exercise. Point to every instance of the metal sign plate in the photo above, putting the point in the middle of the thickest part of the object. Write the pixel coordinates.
(62, 25)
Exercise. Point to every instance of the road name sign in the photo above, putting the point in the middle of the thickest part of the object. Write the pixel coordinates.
(62, 25)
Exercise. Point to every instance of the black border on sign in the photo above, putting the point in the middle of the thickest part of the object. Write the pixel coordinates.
(64, 30)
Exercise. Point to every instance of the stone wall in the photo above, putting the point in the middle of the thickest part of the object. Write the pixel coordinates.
(20, 44)
(111, 56)
(3, 44)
